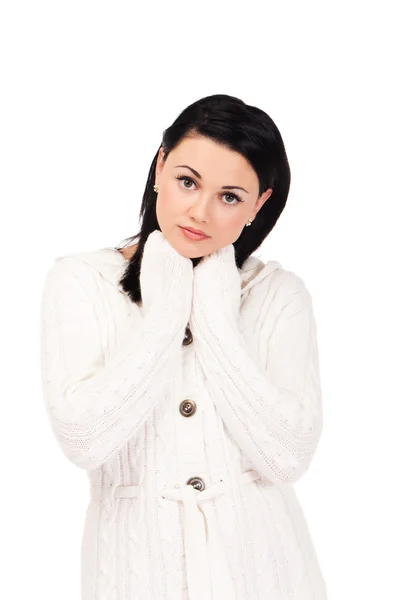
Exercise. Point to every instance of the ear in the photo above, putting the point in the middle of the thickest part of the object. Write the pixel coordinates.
(261, 200)
(160, 162)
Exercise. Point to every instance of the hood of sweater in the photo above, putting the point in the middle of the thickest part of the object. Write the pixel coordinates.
(111, 264)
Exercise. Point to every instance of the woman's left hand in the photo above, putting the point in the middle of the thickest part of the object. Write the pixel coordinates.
(216, 287)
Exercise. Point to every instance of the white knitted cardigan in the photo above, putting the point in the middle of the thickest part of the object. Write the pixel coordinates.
(114, 378)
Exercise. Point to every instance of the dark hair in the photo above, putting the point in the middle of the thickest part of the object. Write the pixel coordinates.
(239, 127)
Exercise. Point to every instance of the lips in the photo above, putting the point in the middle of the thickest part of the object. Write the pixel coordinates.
(198, 231)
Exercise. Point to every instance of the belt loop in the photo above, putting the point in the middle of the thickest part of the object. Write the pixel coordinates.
(111, 493)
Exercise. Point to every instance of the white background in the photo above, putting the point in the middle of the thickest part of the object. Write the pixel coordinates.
(86, 90)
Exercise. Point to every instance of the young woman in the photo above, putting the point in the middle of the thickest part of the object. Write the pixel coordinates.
(182, 374)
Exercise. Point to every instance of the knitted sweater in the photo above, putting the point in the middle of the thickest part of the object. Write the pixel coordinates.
(191, 450)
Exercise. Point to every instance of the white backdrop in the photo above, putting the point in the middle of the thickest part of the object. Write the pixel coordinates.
(87, 89)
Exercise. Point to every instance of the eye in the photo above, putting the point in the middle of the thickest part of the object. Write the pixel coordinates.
(234, 196)
(183, 177)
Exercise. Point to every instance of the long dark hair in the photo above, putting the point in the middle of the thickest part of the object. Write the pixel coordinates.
(239, 127)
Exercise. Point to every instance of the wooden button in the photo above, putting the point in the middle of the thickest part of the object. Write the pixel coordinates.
(188, 339)
(187, 408)
(197, 483)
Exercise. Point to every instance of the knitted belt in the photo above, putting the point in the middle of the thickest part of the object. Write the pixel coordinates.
(207, 569)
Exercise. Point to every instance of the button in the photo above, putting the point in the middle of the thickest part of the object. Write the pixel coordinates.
(187, 408)
(188, 339)
(197, 483)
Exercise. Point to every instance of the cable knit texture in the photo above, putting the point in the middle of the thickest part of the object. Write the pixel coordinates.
(115, 378)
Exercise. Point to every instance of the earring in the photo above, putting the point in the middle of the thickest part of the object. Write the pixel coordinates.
(156, 188)
(249, 222)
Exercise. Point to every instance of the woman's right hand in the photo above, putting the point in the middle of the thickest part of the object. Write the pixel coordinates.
(166, 277)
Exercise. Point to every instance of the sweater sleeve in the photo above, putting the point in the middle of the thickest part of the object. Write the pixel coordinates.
(95, 404)
(272, 411)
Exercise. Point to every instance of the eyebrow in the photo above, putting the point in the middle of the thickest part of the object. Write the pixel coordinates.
(224, 187)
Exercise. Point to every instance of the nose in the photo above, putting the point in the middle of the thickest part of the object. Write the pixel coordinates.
(200, 208)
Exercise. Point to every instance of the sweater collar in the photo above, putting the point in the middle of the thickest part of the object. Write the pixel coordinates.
(111, 264)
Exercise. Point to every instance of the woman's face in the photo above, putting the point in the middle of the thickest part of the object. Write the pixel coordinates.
(199, 200)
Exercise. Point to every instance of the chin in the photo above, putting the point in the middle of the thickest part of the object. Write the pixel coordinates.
(192, 254)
